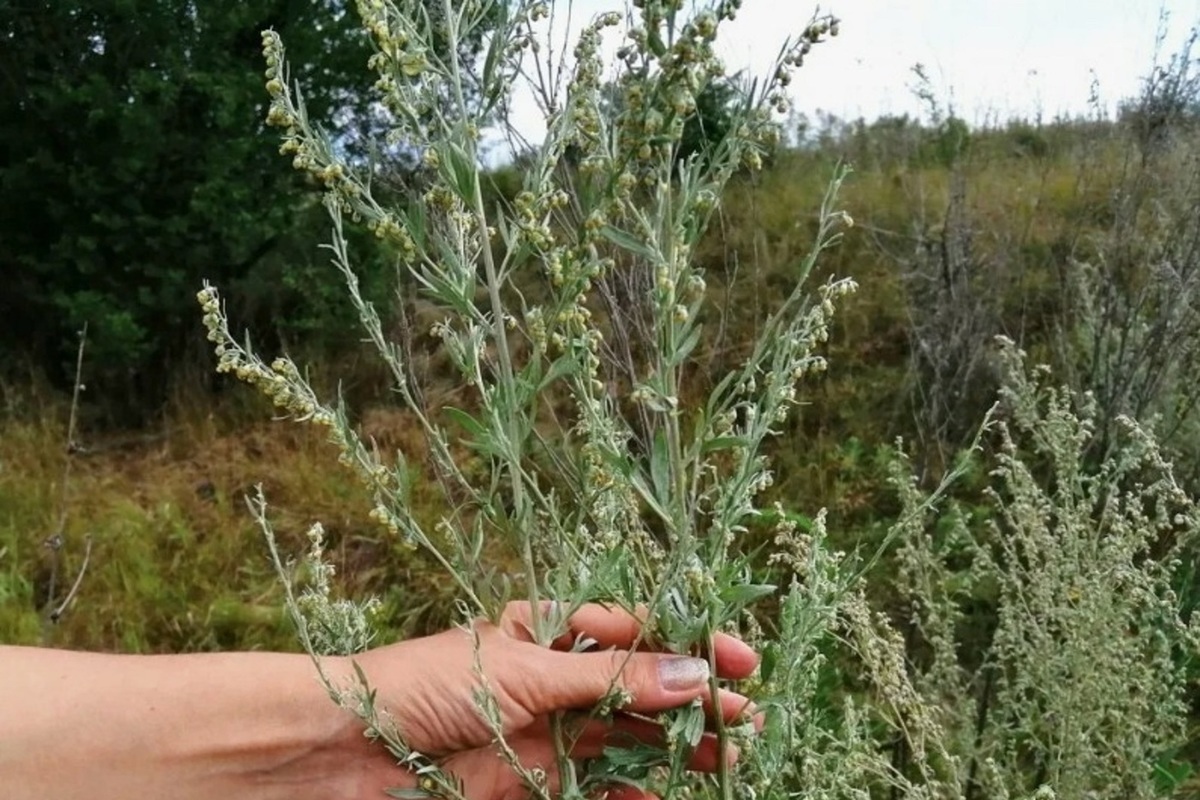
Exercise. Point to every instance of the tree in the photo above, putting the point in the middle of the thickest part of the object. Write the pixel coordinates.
(134, 163)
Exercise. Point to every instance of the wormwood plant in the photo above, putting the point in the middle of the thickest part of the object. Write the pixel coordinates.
(628, 484)
(1087, 567)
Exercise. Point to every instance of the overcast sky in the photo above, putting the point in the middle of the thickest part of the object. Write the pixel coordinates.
(991, 58)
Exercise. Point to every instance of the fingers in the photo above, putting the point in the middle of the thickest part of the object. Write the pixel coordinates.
(517, 621)
(647, 682)
(735, 659)
(611, 627)
(735, 708)
(616, 628)
(486, 774)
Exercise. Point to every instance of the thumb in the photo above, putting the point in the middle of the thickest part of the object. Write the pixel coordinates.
(653, 681)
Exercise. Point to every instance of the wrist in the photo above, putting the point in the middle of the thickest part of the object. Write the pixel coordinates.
(295, 741)
(314, 747)
(231, 726)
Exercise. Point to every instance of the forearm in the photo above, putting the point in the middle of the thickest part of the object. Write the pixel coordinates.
(190, 727)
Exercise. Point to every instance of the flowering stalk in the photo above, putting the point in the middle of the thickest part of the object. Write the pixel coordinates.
(636, 501)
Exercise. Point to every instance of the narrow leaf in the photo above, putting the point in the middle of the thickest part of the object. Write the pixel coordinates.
(686, 347)
(468, 423)
(560, 368)
(723, 443)
(744, 594)
(626, 241)
(770, 658)
(461, 174)
(660, 474)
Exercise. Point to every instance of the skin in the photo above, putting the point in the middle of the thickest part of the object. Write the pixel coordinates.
(259, 725)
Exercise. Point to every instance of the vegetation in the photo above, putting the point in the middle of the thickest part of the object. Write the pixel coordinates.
(995, 612)
(137, 165)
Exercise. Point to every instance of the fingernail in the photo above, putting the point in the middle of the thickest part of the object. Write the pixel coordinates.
(681, 673)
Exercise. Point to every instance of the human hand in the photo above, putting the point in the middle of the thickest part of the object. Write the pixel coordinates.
(427, 686)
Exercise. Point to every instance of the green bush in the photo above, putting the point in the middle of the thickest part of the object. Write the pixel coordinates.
(1069, 578)
(634, 498)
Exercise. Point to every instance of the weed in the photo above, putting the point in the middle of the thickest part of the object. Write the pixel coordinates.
(598, 467)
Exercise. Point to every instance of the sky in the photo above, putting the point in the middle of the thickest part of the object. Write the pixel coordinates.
(988, 59)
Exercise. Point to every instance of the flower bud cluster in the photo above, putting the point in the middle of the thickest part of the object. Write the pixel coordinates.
(281, 113)
(567, 326)
(584, 118)
(311, 153)
(654, 110)
(383, 515)
(700, 580)
(280, 382)
(532, 217)
(406, 77)
(612, 507)
(816, 33)
(797, 357)
(334, 626)
(793, 549)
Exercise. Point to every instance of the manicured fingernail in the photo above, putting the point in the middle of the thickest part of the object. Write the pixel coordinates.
(682, 673)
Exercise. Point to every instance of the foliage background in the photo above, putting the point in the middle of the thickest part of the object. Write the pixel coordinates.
(136, 164)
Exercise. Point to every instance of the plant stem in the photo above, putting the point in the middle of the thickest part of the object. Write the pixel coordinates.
(724, 779)
(512, 450)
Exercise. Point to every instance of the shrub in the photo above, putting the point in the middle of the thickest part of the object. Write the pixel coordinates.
(1102, 272)
(1081, 683)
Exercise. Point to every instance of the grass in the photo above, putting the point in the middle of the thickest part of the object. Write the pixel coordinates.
(178, 563)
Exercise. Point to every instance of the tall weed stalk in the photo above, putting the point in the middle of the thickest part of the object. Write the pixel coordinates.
(634, 493)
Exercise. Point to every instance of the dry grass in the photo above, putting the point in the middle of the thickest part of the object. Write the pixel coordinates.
(176, 562)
